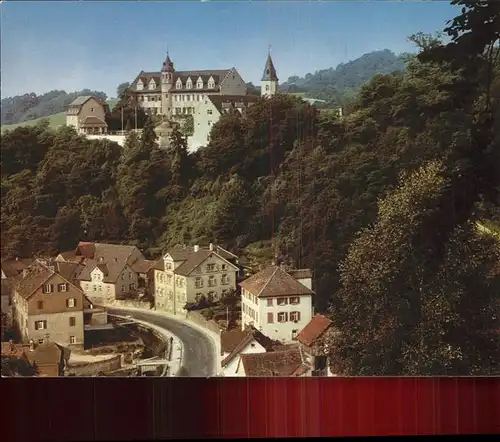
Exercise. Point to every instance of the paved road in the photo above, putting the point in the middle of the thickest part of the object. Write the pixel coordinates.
(198, 349)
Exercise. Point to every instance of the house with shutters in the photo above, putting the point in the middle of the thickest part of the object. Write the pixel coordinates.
(277, 303)
(109, 270)
(185, 274)
(48, 308)
(87, 114)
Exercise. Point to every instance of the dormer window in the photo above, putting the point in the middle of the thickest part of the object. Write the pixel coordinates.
(140, 85)
(199, 83)
(178, 84)
(189, 84)
(152, 85)
(211, 83)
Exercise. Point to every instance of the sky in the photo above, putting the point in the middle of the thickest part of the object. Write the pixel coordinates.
(98, 45)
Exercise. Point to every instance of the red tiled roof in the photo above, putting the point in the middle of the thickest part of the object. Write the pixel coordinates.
(247, 336)
(13, 267)
(42, 355)
(278, 363)
(314, 329)
(274, 281)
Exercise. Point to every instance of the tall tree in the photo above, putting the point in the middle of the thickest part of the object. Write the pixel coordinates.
(404, 312)
(121, 89)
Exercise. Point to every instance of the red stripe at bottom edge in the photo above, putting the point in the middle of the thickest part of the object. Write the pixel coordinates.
(63, 409)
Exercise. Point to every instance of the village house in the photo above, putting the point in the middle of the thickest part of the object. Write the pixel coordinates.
(49, 360)
(87, 114)
(315, 340)
(48, 308)
(109, 271)
(276, 303)
(185, 274)
(235, 343)
(6, 302)
(285, 363)
(10, 269)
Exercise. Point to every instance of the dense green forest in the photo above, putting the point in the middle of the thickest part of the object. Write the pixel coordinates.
(31, 106)
(381, 204)
(337, 86)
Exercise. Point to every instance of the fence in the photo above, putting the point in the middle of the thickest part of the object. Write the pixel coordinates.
(198, 318)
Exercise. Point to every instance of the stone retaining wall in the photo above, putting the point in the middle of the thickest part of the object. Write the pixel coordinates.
(94, 368)
(132, 304)
(198, 318)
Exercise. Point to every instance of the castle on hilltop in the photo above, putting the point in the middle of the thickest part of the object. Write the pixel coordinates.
(177, 97)
(203, 94)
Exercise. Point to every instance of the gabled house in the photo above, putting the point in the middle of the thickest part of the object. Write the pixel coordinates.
(10, 270)
(286, 363)
(185, 274)
(12, 267)
(48, 308)
(6, 302)
(109, 270)
(276, 303)
(235, 343)
(315, 340)
(87, 114)
(48, 359)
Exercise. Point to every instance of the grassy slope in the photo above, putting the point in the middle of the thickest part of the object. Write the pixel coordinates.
(55, 120)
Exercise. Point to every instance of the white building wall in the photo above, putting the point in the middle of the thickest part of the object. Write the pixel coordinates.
(6, 308)
(206, 115)
(72, 120)
(230, 370)
(282, 331)
(268, 88)
(98, 292)
(307, 282)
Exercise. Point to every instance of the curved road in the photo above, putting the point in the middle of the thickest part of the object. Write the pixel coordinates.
(198, 351)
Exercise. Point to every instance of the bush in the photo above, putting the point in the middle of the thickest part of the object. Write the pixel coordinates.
(208, 313)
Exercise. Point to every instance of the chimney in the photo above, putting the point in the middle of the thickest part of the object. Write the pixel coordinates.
(115, 259)
(196, 248)
(32, 345)
(211, 247)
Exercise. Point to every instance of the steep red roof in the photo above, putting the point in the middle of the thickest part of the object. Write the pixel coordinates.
(229, 339)
(278, 363)
(313, 330)
(274, 281)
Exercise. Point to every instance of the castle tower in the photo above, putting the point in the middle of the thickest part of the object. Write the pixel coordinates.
(269, 81)
(167, 82)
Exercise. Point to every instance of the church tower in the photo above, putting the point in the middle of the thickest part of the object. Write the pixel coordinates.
(269, 81)
(167, 82)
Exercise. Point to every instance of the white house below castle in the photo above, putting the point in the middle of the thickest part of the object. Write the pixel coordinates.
(277, 303)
